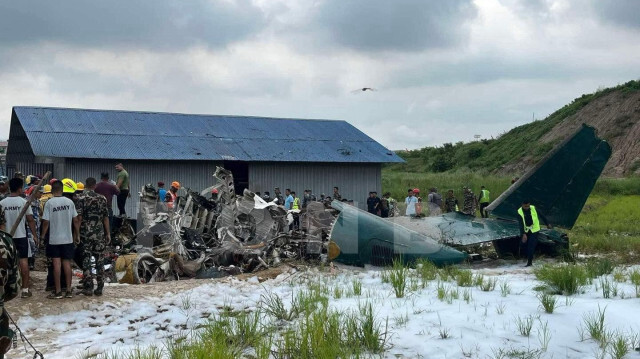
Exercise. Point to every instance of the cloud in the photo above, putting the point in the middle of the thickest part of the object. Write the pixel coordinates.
(399, 25)
(618, 12)
(163, 25)
(445, 70)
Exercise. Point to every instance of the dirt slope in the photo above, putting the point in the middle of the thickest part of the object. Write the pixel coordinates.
(616, 116)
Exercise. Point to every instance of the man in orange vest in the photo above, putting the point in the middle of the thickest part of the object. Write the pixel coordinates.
(172, 194)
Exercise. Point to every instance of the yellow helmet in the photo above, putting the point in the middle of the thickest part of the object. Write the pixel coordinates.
(69, 186)
(80, 186)
(47, 188)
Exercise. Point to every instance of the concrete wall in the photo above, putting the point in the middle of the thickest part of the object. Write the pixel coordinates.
(354, 180)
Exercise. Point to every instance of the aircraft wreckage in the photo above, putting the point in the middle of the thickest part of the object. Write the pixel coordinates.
(212, 235)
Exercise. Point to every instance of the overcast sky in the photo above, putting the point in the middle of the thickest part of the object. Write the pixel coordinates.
(444, 70)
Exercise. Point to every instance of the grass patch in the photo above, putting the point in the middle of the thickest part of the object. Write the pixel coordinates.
(488, 285)
(398, 277)
(597, 267)
(594, 325)
(562, 279)
(525, 325)
(547, 302)
(464, 278)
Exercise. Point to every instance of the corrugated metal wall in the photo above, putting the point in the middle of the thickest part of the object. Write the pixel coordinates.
(196, 175)
(354, 180)
(18, 149)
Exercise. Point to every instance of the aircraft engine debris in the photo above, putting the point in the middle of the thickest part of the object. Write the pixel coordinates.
(215, 233)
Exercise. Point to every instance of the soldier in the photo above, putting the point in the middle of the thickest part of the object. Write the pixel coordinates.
(469, 206)
(94, 234)
(450, 202)
(336, 194)
(4, 187)
(6, 252)
(278, 196)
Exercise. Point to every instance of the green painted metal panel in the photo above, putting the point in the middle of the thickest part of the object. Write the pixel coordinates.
(364, 238)
(560, 184)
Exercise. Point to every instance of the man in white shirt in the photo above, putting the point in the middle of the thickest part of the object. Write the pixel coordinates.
(12, 207)
(411, 202)
(60, 217)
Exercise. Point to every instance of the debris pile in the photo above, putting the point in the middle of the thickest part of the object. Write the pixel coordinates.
(216, 233)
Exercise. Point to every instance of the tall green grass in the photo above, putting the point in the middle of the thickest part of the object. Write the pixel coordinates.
(608, 225)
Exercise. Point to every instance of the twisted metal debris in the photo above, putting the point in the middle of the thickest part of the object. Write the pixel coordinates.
(216, 233)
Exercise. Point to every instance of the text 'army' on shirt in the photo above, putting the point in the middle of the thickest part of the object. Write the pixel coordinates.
(60, 208)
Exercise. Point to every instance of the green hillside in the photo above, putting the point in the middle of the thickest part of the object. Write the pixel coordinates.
(489, 155)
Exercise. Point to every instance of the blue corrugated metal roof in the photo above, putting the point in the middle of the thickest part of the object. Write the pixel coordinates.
(80, 133)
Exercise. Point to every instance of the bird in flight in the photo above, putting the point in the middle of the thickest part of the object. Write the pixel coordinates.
(364, 89)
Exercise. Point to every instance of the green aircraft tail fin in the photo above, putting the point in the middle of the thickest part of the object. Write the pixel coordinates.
(561, 182)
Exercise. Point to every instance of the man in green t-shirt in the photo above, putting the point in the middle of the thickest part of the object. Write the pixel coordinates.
(122, 182)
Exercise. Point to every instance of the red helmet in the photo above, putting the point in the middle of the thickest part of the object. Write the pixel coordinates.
(416, 190)
(214, 191)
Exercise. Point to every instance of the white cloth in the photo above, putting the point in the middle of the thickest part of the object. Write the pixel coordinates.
(411, 205)
(60, 211)
(12, 207)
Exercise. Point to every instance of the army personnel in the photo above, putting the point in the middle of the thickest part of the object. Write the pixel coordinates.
(9, 284)
(278, 196)
(336, 194)
(450, 202)
(94, 234)
(469, 206)
(4, 187)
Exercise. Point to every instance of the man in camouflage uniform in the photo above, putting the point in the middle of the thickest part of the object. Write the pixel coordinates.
(5, 340)
(469, 206)
(4, 187)
(450, 202)
(94, 234)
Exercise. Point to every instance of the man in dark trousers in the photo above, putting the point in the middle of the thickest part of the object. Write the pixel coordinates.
(373, 202)
(122, 182)
(484, 200)
(529, 222)
(108, 190)
(94, 235)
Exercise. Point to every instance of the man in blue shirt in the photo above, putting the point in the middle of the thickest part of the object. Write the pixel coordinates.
(411, 202)
(162, 192)
(289, 201)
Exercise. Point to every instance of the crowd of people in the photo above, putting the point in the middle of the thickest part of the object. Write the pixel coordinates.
(71, 220)
(437, 205)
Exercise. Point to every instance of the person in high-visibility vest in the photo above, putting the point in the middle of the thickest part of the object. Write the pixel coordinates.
(172, 195)
(529, 223)
(483, 199)
(296, 215)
